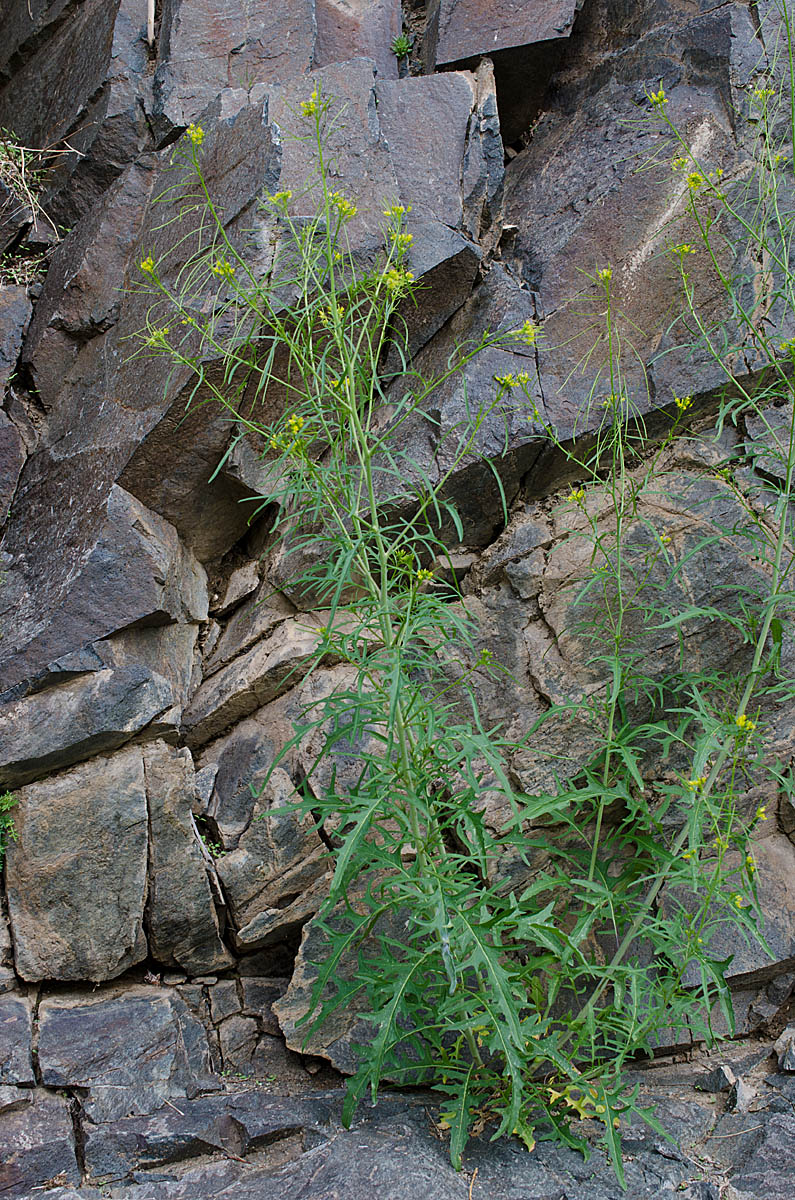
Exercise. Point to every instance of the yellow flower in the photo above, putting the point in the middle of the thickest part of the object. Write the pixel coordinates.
(658, 99)
(158, 337)
(683, 403)
(397, 279)
(576, 495)
(696, 785)
(605, 274)
(695, 180)
(281, 198)
(148, 265)
(678, 164)
(688, 853)
(396, 211)
(294, 425)
(738, 901)
(527, 333)
(340, 310)
(665, 538)
(682, 249)
(346, 208)
(322, 316)
(423, 575)
(223, 269)
(196, 134)
(506, 381)
(744, 724)
(750, 862)
(401, 240)
(761, 813)
(310, 107)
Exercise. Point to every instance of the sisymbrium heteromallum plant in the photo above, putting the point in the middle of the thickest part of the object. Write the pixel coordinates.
(492, 989)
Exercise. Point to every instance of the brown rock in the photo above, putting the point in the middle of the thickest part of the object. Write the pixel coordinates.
(214, 44)
(15, 308)
(468, 28)
(274, 880)
(132, 1048)
(38, 1147)
(76, 876)
(254, 679)
(182, 920)
(357, 29)
(16, 1063)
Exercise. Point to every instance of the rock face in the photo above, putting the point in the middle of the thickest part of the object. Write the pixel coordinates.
(158, 931)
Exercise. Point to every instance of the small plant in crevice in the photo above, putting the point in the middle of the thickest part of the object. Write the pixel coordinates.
(401, 45)
(8, 832)
(518, 997)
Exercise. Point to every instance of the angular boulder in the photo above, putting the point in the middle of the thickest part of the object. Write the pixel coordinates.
(76, 875)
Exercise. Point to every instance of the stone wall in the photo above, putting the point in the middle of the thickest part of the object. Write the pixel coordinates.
(155, 915)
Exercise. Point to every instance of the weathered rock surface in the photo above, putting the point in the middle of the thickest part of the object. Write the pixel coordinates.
(132, 1048)
(38, 1146)
(274, 879)
(98, 710)
(76, 875)
(128, 566)
(182, 919)
(234, 1124)
(16, 1063)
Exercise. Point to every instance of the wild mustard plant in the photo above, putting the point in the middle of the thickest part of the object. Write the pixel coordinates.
(500, 996)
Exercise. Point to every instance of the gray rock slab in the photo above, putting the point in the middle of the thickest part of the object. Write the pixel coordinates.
(133, 569)
(12, 459)
(38, 1147)
(182, 920)
(271, 879)
(97, 712)
(357, 28)
(236, 1124)
(16, 1063)
(214, 44)
(76, 875)
(255, 678)
(132, 1049)
(469, 28)
(15, 309)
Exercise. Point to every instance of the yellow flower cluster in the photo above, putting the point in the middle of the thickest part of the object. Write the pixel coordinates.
(346, 208)
(312, 105)
(683, 403)
(157, 338)
(401, 240)
(294, 425)
(511, 380)
(576, 495)
(196, 134)
(761, 813)
(281, 199)
(527, 333)
(682, 249)
(223, 269)
(744, 724)
(605, 274)
(658, 99)
(397, 279)
(697, 784)
(396, 211)
(738, 901)
(148, 265)
(423, 575)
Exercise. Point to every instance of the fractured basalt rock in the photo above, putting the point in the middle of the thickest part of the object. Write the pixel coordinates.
(76, 874)
(132, 1048)
(182, 920)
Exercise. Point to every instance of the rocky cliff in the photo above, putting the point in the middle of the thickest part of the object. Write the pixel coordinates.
(155, 913)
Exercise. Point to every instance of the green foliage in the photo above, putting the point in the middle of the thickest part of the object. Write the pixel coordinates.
(7, 831)
(514, 969)
(401, 45)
